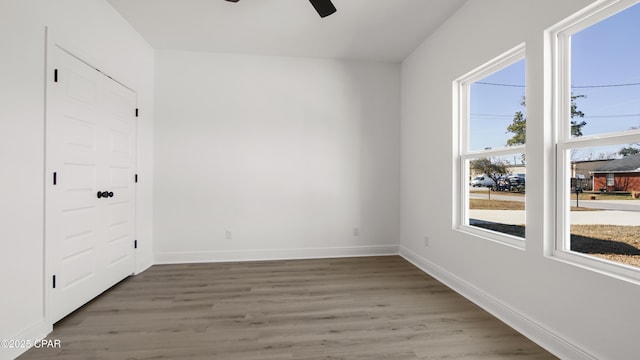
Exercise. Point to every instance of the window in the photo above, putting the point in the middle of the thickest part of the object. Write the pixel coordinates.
(491, 119)
(610, 180)
(598, 132)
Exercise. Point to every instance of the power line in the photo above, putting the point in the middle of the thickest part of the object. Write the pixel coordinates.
(492, 115)
(604, 86)
(498, 84)
(612, 116)
(586, 116)
(573, 86)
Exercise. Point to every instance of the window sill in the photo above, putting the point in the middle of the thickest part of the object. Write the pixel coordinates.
(493, 236)
(604, 267)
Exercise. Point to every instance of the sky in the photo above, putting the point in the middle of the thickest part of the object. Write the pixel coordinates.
(605, 68)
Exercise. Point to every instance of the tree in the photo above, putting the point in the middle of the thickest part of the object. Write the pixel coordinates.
(518, 126)
(576, 127)
(630, 150)
(493, 169)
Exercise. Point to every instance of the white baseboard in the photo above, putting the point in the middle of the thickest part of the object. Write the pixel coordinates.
(36, 332)
(274, 254)
(535, 332)
(144, 264)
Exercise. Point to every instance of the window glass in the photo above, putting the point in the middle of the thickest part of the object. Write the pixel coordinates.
(497, 194)
(605, 76)
(604, 206)
(611, 181)
(497, 109)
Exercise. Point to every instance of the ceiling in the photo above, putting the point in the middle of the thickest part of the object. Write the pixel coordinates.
(379, 30)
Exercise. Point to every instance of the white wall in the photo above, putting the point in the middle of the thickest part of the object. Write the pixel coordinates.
(95, 32)
(575, 312)
(289, 154)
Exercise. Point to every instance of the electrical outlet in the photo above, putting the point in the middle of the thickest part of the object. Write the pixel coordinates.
(228, 235)
(356, 231)
(426, 241)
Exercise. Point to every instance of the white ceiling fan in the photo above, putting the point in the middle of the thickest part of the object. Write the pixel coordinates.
(323, 7)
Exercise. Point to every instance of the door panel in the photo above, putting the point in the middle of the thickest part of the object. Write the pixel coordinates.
(120, 178)
(120, 104)
(76, 270)
(90, 147)
(118, 101)
(120, 145)
(79, 133)
(81, 82)
(80, 177)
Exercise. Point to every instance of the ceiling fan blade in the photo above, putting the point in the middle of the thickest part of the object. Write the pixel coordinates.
(323, 7)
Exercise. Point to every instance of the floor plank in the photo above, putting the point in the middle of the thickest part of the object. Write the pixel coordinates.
(349, 308)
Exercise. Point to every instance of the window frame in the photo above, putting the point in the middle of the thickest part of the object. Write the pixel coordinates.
(463, 155)
(611, 179)
(560, 50)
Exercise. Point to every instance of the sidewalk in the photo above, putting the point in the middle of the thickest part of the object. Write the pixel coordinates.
(605, 217)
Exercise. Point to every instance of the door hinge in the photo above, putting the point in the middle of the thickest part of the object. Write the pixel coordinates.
(136, 112)
(135, 244)
(136, 178)
(55, 75)
(55, 178)
(54, 281)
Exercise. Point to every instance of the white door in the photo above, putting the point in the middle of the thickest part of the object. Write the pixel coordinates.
(90, 145)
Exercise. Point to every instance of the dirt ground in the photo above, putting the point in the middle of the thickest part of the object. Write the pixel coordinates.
(612, 242)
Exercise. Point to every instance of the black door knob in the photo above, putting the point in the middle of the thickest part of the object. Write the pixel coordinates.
(104, 194)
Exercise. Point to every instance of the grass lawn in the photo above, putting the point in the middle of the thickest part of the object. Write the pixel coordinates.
(602, 196)
(505, 193)
(485, 204)
(581, 196)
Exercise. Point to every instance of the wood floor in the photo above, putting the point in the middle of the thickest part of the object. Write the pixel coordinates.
(352, 308)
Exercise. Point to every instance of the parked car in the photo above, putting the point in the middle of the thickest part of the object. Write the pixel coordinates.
(503, 184)
(516, 182)
(516, 179)
(482, 181)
